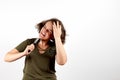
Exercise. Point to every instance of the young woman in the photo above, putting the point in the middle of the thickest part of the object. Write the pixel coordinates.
(40, 58)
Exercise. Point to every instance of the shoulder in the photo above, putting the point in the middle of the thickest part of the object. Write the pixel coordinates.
(24, 43)
(52, 49)
(30, 40)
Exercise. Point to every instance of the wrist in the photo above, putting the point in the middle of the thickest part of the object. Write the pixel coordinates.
(58, 39)
(23, 54)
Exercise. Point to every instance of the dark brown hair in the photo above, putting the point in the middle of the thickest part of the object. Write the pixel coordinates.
(41, 24)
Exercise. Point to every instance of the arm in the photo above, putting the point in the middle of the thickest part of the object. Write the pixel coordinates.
(61, 56)
(14, 54)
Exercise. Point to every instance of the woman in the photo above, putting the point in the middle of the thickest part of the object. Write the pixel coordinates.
(40, 58)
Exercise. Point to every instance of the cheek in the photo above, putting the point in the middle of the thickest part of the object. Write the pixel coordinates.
(48, 36)
(51, 36)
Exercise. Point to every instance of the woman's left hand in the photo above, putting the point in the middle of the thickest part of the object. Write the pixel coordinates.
(57, 30)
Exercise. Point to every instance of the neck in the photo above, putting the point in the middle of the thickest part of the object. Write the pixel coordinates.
(43, 44)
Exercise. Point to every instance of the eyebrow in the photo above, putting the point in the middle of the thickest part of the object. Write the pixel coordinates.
(48, 29)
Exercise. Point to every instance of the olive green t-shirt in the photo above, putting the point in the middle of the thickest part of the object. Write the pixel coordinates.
(38, 66)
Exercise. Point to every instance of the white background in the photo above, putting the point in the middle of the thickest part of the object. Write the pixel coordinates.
(92, 44)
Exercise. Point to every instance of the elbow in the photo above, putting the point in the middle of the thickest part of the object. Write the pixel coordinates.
(62, 62)
(6, 59)
(61, 59)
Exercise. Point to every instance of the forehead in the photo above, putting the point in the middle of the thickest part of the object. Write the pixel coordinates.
(48, 24)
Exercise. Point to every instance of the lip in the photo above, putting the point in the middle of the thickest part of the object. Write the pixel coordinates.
(43, 34)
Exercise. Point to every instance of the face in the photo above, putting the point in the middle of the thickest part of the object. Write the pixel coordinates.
(46, 31)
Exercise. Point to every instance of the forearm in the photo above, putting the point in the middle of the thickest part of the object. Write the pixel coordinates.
(61, 56)
(12, 56)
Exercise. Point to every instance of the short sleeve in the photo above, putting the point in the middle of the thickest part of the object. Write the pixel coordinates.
(21, 47)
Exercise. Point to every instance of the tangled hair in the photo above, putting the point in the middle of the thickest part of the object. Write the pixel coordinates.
(41, 24)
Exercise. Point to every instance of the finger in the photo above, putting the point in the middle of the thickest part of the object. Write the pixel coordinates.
(54, 26)
(54, 23)
(57, 24)
(30, 47)
(60, 27)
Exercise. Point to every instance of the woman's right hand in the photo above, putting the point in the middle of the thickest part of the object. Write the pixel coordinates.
(14, 54)
(29, 49)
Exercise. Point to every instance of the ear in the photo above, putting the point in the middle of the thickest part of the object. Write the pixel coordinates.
(52, 38)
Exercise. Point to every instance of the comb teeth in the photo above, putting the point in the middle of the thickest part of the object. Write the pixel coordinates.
(36, 41)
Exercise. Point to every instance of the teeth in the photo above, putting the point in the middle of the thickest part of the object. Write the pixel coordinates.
(43, 34)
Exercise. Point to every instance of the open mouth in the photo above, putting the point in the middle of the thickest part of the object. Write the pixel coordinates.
(43, 34)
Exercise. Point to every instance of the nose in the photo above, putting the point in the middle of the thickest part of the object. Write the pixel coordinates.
(47, 30)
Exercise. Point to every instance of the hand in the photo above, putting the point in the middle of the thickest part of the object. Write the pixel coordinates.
(57, 30)
(29, 49)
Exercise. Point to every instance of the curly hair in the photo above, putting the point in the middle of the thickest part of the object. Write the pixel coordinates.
(41, 24)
